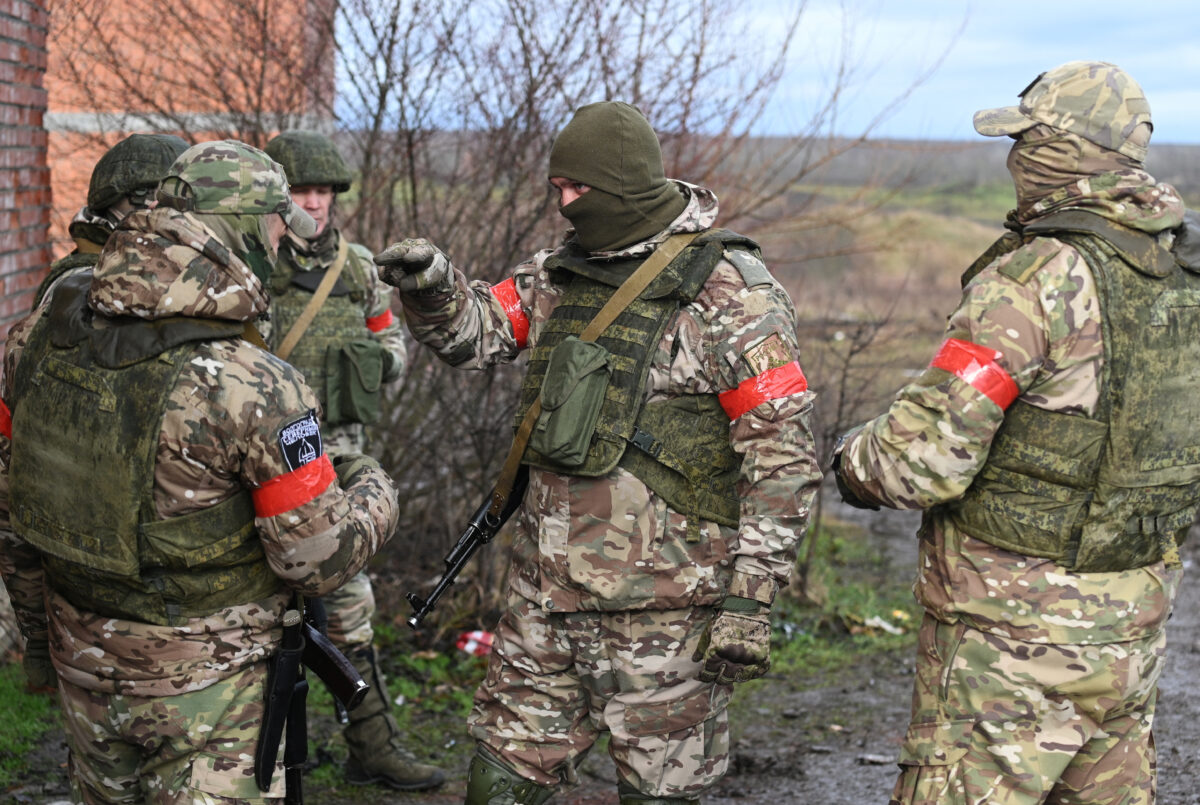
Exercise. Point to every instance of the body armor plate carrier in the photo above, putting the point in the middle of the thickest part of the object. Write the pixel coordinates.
(1118, 490)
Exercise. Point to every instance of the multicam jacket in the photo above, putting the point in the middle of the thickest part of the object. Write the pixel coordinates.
(228, 426)
(1040, 342)
(608, 542)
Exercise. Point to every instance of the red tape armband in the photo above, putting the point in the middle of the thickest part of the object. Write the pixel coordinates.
(506, 294)
(285, 492)
(5, 421)
(782, 381)
(377, 323)
(976, 366)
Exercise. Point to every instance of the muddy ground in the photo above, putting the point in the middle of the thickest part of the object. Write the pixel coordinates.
(830, 740)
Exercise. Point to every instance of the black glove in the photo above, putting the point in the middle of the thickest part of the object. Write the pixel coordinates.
(848, 495)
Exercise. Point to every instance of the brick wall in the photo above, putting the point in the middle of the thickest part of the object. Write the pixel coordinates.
(25, 201)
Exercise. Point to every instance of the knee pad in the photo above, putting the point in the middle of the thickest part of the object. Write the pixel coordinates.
(491, 781)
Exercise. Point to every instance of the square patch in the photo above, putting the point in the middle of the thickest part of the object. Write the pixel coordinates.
(770, 353)
(300, 441)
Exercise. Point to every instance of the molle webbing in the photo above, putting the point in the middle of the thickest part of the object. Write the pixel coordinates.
(1117, 491)
(682, 445)
(83, 472)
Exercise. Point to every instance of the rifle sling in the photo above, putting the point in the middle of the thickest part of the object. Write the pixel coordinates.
(629, 290)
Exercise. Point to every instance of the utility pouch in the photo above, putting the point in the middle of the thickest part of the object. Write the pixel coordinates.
(572, 392)
(354, 375)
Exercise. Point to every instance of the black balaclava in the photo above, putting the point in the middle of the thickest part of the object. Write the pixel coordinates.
(611, 148)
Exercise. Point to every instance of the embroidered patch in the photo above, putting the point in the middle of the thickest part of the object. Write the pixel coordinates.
(300, 441)
(770, 353)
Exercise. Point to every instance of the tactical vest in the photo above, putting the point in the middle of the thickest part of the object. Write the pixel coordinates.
(682, 445)
(340, 320)
(1117, 491)
(73, 261)
(87, 405)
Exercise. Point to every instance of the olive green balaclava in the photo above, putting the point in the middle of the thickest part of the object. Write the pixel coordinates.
(611, 148)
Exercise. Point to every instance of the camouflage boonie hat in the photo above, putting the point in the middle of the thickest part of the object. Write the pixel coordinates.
(1093, 99)
(227, 176)
(310, 158)
(132, 168)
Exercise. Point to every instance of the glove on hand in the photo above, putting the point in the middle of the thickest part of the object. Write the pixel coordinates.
(414, 264)
(843, 488)
(40, 676)
(349, 465)
(736, 647)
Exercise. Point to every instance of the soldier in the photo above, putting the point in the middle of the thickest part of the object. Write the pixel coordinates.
(169, 490)
(123, 180)
(646, 559)
(347, 345)
(1054, 445)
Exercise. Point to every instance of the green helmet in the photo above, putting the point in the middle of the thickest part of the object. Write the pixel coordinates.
(229, 177)
(310, 158)
(1096, 100)
(132, 168)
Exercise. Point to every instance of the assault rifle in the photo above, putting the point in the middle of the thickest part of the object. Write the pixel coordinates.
(481, 529)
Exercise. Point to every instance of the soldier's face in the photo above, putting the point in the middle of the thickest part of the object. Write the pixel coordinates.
(316, 200)
(568, 189)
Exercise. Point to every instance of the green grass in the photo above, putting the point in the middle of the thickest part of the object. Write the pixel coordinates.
(26, 718)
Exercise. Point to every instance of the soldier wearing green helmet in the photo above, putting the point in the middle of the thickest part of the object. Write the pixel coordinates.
(1054, 447)
(168, 490)
(331, 318)
(123, 180)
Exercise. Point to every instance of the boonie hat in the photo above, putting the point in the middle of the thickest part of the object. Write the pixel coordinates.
(1093, 99)
(226, 177)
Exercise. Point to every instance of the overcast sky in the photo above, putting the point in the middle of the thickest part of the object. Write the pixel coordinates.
(993, 49)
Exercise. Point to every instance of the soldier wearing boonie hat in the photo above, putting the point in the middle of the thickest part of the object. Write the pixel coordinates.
(169, 490)
(1052, 445)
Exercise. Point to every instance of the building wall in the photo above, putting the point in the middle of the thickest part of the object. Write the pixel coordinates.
(25, 199)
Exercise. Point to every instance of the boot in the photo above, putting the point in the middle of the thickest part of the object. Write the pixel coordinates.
(631, 796)
(373, 737)
(491, 781)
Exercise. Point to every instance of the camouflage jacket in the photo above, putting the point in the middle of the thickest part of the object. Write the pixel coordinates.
(378, 321)
(609, 543)
(928, 447)
(225, 429)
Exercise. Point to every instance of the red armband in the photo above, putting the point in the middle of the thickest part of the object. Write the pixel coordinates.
(5, 421)
(506, 294)
(976, 366)
(377, 323)
(782, 381)
(285, 492)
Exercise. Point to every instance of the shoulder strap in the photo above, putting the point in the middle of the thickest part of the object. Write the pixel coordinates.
(629, 290)
(310, 311)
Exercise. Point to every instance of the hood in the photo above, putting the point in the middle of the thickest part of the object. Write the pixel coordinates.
(163, 262)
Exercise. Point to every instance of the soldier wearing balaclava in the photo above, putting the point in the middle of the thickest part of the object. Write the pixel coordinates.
(670, 471)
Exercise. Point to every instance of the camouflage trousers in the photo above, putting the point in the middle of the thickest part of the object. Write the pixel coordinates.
(556, 681)
(351, 608)
(997, 720)
(169, 750)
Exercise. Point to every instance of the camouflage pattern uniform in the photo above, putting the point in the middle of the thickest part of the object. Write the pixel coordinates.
(171, 713)
(1035, 682)
(357, 312)
(128, 171)
(608, 596)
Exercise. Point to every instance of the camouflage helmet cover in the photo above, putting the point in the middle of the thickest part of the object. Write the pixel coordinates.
(310, 158)
(228, 177)
(1095, 100)
(132, 167)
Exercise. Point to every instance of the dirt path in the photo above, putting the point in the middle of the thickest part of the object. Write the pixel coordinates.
(829, 741)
